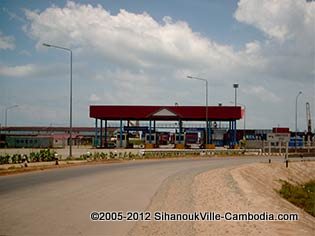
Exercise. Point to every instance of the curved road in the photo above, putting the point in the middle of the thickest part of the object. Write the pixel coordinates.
(59, 201)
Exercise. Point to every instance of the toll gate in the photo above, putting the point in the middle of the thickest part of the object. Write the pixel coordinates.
(211, 115)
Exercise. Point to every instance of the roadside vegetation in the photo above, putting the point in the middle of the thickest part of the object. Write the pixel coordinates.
(42, 155)
(302, 196)
(129, 155)
(46, 155)
(156, 154)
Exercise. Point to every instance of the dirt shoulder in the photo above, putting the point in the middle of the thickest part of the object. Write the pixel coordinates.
(246, 188)
(252, 188)
(11, 169)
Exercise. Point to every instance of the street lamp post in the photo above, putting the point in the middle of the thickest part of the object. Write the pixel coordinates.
(6, 114)
(235, 86)
(206, 81)
(244, 135)
(296, 107)
(70, 131)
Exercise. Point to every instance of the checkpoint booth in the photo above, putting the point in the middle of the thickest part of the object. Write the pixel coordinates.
(193, 138)
(278, 140)
(121, 140)
(152, 114)
(151, 140)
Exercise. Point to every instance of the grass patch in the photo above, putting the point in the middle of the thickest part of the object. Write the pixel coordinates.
(13, 168)
(302, 196)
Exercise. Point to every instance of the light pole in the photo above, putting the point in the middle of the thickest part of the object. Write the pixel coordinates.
(6, 114)
(244, 135)
(206, 81)
(296, 107)
(235, 86)
(70, 131)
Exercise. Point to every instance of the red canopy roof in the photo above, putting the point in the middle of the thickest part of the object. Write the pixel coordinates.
(192, 113)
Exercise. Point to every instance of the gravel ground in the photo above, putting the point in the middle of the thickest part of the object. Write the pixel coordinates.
(235, 189)
(173, 196)
(64, 152)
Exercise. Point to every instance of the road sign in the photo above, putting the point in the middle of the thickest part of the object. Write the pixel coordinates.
(136, 128)
(278, 137)
(194, 129)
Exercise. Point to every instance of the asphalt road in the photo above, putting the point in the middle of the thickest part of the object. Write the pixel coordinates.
(59, 201)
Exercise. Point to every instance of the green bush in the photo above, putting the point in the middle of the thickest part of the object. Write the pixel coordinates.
(34, 157)
(5, 159)
(136, 142)
(302, 196)
(42, 155)
(85, 156)
(15, 158)
(47, 155)
(96, 156)
(103, 155)
(111, 155)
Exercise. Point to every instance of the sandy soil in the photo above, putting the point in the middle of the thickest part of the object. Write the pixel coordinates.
(252, 188)
(237, 189)
(11, 169)
(64, 152)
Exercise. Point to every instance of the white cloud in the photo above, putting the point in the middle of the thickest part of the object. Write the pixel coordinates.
(94, 98)
(32, 70)
(18, 71)
(6, 42)
(13, 16)
(128, 39)
(281, 20)
(262, 94)
(253, 47)
(42, 115)
(25, 53)
(129, 58)
(289, 51)
(140, 58)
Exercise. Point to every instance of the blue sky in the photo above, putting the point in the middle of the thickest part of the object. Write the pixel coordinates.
(140, 52)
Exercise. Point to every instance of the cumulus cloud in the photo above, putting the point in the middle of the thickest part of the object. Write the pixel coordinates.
(289, 25)
(44, 115)
(6, 42)
(130, 41)
(25, 53)
(18, 71)
(32, 70)
(94, 98)
(262, 93)
(135, 40)
(281, 20)
(13, 16)
(133, 58)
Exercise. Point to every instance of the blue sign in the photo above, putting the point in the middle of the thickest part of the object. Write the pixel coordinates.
(194, 129)
(136, 128)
